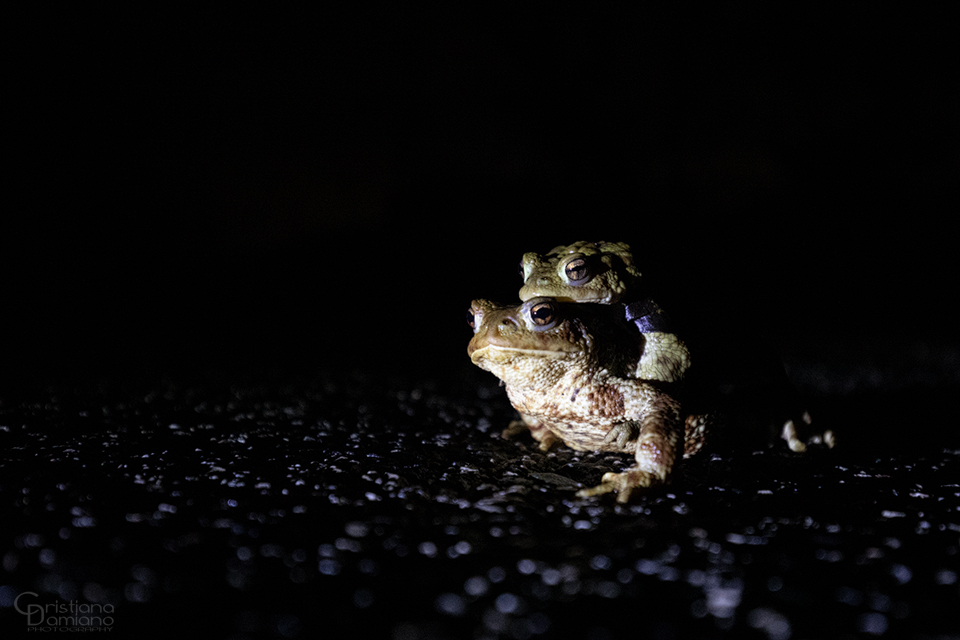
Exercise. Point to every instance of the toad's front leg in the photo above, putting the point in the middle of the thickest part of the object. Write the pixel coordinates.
(540, 433)
(658, 447)
(622, 433)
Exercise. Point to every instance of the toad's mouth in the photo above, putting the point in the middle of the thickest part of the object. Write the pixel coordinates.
(491, 349)
(594, 300)
(559, 296)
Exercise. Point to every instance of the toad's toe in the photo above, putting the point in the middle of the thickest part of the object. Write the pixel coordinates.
(621, 483)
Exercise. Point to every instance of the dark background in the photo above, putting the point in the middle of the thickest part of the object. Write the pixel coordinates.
(302, 191)
(238, 248)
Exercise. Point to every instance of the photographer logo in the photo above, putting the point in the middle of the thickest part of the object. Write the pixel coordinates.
(59, 616)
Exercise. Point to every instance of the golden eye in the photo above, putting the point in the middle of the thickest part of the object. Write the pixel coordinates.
(577, 271)
(543, 314)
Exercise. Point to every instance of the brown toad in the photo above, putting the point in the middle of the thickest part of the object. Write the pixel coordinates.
(605, 273)
(566, 368)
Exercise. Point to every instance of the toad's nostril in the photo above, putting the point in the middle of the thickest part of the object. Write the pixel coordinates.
(508, 326)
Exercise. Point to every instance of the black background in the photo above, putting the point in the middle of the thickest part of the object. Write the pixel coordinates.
(292, 189)
(237, 251)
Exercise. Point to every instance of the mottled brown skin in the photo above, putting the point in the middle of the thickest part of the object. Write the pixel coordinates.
(565, 370)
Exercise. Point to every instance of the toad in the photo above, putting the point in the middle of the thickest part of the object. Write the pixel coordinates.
(604, 273)
(567, 369)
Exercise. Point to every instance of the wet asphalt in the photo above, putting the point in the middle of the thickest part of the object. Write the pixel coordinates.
(380, 506)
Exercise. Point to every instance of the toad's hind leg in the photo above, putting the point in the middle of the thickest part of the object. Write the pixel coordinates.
(695, 433)
(657, 450)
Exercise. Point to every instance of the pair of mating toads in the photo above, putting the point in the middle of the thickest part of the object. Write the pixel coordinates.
(589, 360)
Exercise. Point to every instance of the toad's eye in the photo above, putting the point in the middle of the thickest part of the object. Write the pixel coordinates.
(577, 271)
(543, 314)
